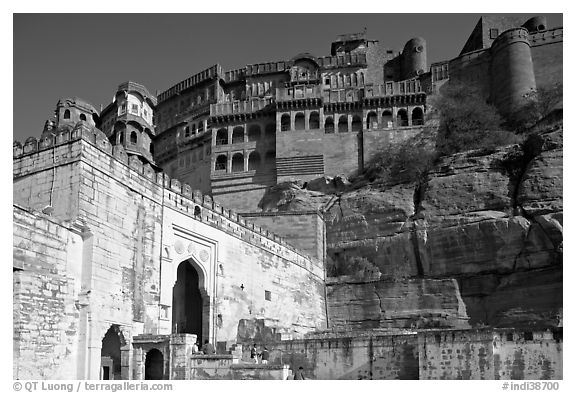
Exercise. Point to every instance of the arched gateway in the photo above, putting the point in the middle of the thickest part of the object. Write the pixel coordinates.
(188, 300)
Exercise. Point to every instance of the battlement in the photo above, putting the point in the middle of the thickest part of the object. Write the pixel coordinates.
(175, 195)
(194, 80)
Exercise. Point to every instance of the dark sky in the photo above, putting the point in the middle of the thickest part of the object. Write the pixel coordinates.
(89, 55)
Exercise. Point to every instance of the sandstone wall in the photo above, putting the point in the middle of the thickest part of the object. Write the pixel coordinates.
(142, 225)
(47, 285)
(547, 55)
(340, 150)
(304, 230)
(491, 354)
(345, 356)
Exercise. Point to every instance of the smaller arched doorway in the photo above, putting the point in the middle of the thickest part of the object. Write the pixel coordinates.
(154, 365)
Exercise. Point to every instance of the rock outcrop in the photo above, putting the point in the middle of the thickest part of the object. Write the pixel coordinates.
(483, 227)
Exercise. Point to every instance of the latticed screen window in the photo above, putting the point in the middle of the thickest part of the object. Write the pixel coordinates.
(268, 295)
(493, 33)
(134, 108)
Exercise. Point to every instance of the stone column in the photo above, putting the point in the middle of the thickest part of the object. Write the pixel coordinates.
(180, 353)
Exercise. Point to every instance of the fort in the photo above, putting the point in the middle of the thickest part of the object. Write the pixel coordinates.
(141, 228)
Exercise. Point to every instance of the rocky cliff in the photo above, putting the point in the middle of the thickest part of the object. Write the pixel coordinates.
(477, 242)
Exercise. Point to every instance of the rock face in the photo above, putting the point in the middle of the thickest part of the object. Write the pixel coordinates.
(479, 241)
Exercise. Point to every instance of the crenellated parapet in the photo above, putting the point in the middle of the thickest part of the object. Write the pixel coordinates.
(176, 195)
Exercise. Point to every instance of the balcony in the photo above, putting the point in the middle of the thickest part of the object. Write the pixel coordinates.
(411, 86)
(298, 93)
(237, 107)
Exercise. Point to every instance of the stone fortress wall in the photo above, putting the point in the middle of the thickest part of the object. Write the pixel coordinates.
(137, 228)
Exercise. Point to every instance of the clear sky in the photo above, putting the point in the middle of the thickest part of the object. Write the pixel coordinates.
(89, 55)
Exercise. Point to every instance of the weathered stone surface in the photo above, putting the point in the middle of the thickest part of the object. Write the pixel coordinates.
(541, 188)
(463, 222)
(466, 183)
(291, 196)
(409, 303)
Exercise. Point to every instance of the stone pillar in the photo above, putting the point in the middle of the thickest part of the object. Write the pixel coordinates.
(126, 354)
(306, 119)
(292, 120)
(139, 364)
(180, 353)
(94, 352)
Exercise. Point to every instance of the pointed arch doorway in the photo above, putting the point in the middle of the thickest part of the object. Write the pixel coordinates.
(188, 299)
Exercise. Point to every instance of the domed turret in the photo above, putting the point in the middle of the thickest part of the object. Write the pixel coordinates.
(414, 58)
(537, 23)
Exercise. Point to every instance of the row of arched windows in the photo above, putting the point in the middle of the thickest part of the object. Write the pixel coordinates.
(341, 123)
(254, 134)
(133, 137)
(255, 161)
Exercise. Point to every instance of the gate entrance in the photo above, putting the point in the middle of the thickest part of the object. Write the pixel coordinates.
(187, 302)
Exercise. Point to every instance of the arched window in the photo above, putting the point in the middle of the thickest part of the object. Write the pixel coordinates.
(222, 136)
(270, 131)
(254, 161)
(152, 148)
(372, 120)
(238, 162)
(254, 132)
(354, 79)
(356, 123)
(285, 122)
(402, 118)
(387, 119)
(82, 117)
(66, 114)
(343, 124)
(329, 125)
(186, 131)
(238, 134)
(133, 137)
(121, 137)
(417, 117)
(299, 122)
(221, 163)
(314, 121)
